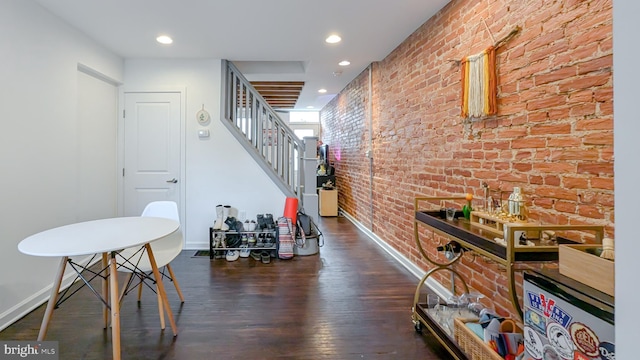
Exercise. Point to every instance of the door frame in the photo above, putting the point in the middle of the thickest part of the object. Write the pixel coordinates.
(182, 184)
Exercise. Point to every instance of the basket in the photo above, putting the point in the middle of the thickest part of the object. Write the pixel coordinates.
(471, 344)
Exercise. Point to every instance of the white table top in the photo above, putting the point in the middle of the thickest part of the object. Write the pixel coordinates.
(97, 236)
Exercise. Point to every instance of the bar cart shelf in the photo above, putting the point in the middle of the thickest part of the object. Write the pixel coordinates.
(479, 240)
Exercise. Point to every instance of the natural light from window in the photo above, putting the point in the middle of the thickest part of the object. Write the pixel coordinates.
(301, 133)
(304, 116)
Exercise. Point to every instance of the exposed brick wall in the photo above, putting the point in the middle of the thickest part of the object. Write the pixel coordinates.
(552, 136)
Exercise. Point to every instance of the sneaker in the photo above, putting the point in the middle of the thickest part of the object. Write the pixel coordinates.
(269, 241)
(252, 226)
(265, 257)
(244, 251)
(232, 255)
(256, 255)
(260, 242)
(252, 240)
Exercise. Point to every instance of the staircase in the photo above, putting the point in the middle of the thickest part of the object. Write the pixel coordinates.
(268, 139)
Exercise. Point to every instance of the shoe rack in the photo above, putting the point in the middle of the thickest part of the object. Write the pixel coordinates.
(265, 239)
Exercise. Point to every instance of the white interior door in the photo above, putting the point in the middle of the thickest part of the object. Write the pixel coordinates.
(151, 149)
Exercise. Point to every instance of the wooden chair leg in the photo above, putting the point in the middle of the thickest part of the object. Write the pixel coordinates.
(175, 282)
(105, 290)
(115, 308)
(160, 289)
(160, 309)
(125, 285)
(140, 290)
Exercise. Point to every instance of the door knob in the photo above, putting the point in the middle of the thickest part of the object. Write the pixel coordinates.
(173, 181)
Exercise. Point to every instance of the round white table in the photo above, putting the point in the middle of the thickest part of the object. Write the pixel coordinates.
(106, 236)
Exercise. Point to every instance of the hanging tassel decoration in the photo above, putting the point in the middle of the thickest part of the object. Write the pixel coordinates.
(479, 84)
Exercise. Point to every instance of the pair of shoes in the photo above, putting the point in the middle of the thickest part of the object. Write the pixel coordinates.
(265, 257)
(260, 242)
(233, 224)
(244, 251)
(232, 255)
(265, 222)
(250, 225)
(268, 219)
(269, 241)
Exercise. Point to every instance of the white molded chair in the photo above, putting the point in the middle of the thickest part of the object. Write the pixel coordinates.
(164, 251)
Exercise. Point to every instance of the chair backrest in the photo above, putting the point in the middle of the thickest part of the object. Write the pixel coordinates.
(162, 209)
(165, 249)
(170, 246)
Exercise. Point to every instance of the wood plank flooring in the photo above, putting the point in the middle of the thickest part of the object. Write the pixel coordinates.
(352, 301)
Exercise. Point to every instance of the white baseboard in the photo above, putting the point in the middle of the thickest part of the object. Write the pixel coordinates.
(29, 304)
(433, 285)
(201, 245)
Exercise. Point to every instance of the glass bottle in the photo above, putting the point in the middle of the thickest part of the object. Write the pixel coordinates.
(515, 202)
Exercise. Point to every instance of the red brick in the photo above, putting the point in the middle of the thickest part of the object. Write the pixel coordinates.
(546, 103)
(590, 211)
(583, 109)
(523, 167)
(550, 129)
(552, 180)
(602, 183)
(565, 206)
(529, 142)
(581, 96)
(594, 124)
(568, 154)
(564, 141)
(584, 82)
(555, 75)
(596, 168)
(600, 138)
(605, 108)
(554, 167)
(575, 182)
(599, 64)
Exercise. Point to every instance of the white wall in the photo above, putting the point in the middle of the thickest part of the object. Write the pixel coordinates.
(218, 170)
(626, 78)
(48, 176)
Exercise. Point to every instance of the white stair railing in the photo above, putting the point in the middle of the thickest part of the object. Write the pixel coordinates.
(263, 133)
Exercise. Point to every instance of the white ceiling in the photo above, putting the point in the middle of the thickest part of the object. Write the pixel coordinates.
(259, 32)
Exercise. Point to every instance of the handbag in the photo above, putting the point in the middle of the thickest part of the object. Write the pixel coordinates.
(307, 228)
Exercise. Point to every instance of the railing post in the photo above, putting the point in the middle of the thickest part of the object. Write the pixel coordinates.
(310, 162)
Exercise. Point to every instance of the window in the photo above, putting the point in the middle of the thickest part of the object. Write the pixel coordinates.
(304, 117)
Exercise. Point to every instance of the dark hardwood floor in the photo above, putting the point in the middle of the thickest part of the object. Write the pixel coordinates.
(352, 301)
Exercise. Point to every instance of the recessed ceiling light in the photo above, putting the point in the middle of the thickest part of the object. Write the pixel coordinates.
(322, 91)
(309, 107)
(344, 63)
(332, 39)
(164, 39)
